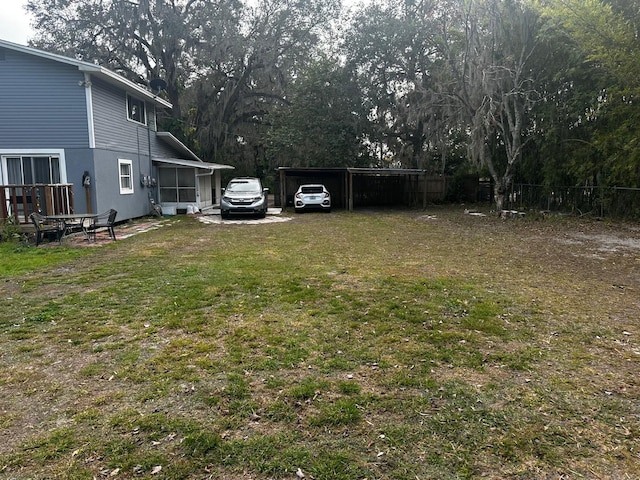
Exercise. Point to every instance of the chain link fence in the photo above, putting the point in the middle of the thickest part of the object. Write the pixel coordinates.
(614, 202)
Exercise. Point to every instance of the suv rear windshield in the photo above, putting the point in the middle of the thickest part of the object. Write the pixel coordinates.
(314, 189)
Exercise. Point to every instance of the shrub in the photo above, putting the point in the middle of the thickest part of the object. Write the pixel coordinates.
(9, 230)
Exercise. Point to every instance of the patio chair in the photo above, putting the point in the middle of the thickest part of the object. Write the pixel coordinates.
(156, 210)
(44, 227)
(104, 220)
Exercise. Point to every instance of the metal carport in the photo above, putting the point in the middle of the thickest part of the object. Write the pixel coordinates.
(363, 187)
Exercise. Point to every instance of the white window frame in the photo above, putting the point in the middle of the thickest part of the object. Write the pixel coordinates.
(136, 102)
(124, 190)
(19, 152)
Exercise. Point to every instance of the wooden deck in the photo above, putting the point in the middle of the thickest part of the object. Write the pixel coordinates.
(20, 201)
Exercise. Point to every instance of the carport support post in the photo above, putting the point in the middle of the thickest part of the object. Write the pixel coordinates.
(424, 194)
(350, 191)
(283, 188)
(217, 181)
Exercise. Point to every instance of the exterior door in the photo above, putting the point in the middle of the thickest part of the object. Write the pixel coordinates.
(205, 191)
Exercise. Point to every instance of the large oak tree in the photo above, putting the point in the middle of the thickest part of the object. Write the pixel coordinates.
(141, 39)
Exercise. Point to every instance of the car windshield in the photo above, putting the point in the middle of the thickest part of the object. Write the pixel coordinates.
(312, 189)
(244, 186)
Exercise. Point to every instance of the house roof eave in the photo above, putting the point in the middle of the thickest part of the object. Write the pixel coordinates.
(176, 144)
(115, 79)
(91, 68)
(194, 164)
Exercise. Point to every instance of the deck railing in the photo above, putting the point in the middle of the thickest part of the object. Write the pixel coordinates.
(20, 201)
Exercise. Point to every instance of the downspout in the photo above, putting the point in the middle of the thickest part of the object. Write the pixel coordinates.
(92, 140)
(155, 121)
(152, 195)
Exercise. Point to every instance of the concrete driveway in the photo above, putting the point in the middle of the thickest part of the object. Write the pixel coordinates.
(274, 215)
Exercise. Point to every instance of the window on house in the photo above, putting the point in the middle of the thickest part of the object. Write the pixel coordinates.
(125, 168)
(34, 171)
(136, 110)
(27, 170)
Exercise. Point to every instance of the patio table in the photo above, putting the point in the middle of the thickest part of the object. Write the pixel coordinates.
(70, 220)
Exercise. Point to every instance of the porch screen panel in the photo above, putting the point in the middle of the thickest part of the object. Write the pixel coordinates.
(187, 194)
(168, 195)
(168, 182)
(186, 185)
(177, 185)
(186, 178)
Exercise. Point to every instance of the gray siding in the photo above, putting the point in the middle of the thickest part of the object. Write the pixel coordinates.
(112, 128)
(41, 104)
(80, 161)
(105, 189)
(116, 137)
(114, 131)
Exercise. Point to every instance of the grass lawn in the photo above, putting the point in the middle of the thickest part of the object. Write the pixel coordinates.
(377, 345)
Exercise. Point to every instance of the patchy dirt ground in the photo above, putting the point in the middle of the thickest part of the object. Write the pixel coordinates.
(576, 271)
(122, 231)
(611, 248)
(581, 275)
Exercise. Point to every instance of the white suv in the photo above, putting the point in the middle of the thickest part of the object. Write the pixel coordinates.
(312, 197)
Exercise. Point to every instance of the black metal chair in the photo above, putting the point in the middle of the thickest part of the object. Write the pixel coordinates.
(104, 220)
(45, 228)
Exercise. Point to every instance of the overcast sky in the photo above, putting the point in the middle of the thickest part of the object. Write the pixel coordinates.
(14, 23)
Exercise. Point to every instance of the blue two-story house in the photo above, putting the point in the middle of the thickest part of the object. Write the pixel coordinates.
(76, 137)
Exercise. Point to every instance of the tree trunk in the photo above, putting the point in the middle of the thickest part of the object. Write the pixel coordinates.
(498, 196)
(500, 191)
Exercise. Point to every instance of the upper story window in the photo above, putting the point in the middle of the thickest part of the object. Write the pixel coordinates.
(136, 110)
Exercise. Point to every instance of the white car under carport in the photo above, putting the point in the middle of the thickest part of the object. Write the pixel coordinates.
(312, 197)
